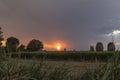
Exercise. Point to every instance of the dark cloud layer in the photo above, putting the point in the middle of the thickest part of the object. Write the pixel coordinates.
(78, 23)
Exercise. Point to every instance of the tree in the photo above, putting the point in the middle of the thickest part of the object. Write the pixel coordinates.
(1, 37)
(99, 46)
(92, 48)
(12, 44)
(21, 48)
(65, 49)
(111, 46)
(35, 45)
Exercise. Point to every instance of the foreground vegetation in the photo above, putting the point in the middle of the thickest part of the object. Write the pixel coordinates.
(66, 55)
(13, 69)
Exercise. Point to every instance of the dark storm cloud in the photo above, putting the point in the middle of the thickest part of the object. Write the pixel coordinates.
(77, 22)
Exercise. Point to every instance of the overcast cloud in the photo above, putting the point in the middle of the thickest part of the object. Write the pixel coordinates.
(78, 23)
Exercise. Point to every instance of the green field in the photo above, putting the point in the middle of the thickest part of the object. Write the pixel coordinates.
(66, 55)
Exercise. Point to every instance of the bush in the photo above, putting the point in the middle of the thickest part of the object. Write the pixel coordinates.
(111, 46)
(99, 46)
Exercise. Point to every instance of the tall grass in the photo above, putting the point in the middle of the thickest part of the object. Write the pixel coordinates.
(108, 71)
(13, 70)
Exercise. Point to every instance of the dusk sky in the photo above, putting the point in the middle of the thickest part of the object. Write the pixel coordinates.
(75, 23)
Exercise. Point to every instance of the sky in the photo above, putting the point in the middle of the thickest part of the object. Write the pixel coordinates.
(76, 24)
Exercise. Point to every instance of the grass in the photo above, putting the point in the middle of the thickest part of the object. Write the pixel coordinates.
(13, 70)
(42, 69)
(108, 71)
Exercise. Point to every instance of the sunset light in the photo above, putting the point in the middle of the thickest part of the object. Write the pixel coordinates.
(57, 45)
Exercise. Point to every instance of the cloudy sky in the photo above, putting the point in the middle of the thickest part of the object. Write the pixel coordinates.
(75, 23)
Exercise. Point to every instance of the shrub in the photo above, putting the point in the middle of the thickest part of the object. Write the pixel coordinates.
(99, 46)
(111, 46)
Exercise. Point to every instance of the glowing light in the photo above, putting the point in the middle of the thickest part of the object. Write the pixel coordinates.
(56, 45)
(3, 43)
(58, 48)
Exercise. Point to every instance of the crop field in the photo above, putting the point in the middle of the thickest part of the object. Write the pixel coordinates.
(66, 55)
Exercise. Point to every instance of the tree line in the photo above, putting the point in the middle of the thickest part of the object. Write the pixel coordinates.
(13, 44)
(100, 47)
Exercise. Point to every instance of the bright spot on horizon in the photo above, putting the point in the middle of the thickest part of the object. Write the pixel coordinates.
(58, 48)
(57, 45)
(3, 43)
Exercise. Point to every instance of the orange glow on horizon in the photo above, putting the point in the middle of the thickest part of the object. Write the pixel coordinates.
(58, 48)
(58, 45)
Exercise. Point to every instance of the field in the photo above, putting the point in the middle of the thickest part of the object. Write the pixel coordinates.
(66, 55)
(61, 66)
(74, 66)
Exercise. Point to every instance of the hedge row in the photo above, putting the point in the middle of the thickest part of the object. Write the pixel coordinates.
(68, 55)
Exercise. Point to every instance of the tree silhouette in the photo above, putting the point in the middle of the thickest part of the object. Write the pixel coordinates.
(111, 46)
(21, 48)
(1, 37)
(12, 44)
(99, 46)
(35, 45)
(92, 48)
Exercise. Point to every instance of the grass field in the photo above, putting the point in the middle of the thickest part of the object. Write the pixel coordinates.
(54, 67)
(74, 66)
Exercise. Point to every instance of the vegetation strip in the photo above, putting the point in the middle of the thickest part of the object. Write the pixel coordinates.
(68, 55)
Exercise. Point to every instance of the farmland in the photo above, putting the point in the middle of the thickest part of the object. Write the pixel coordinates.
(66, 55)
